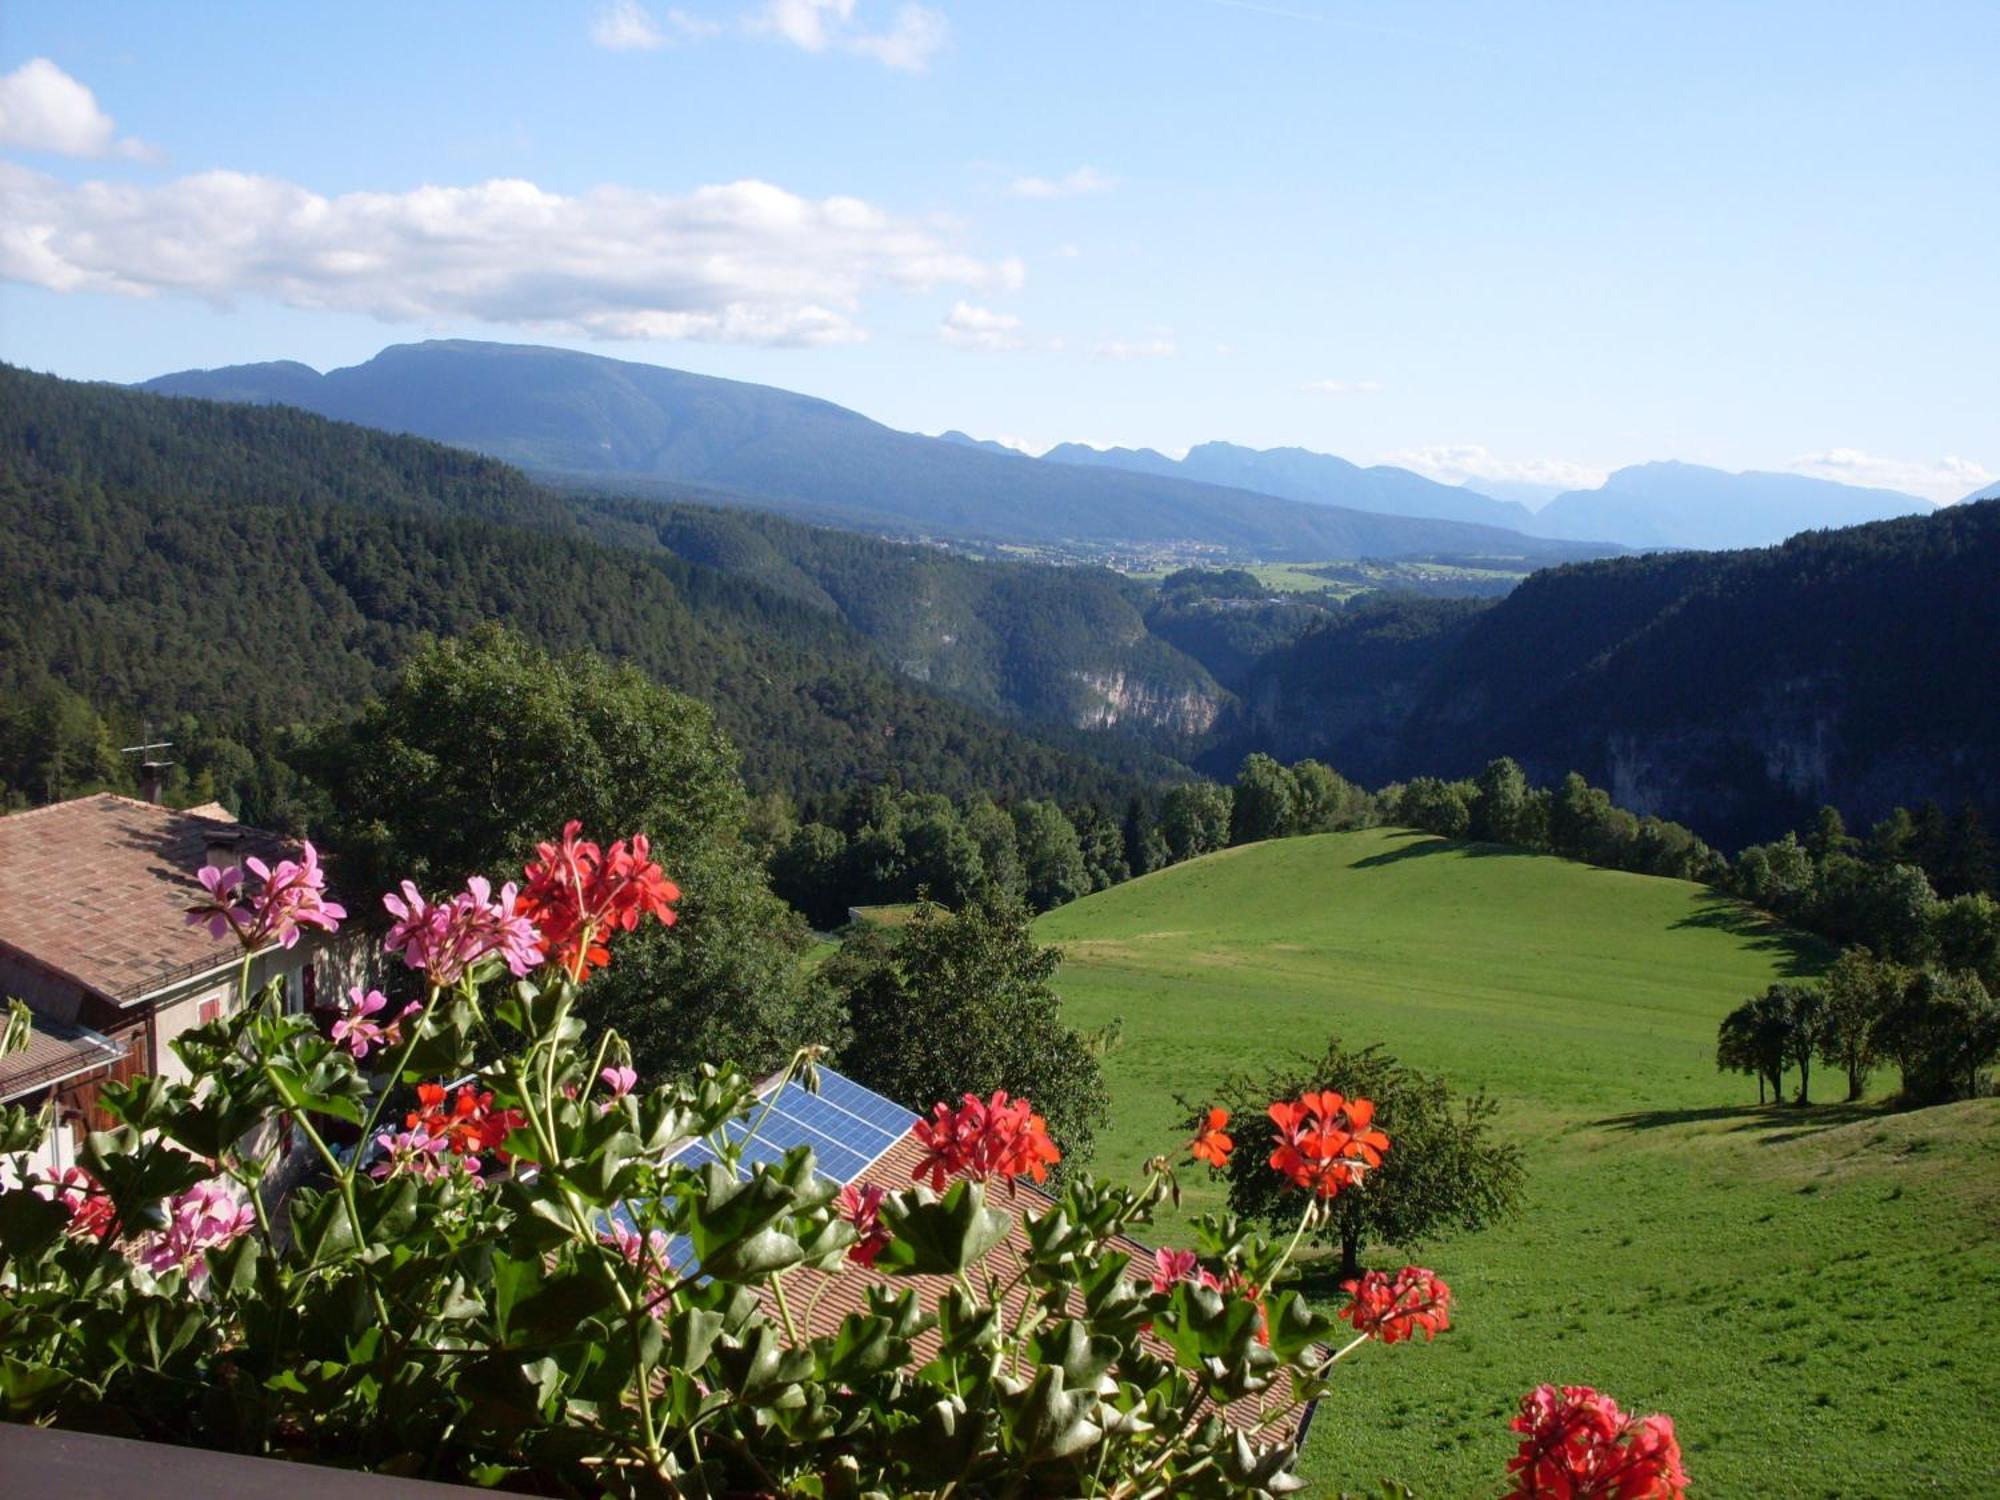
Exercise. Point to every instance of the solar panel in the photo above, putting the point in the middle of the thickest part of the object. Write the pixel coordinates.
(846, 1125)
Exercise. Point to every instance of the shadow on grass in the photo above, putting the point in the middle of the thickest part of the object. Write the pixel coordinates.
(1802, 957)
(1773, 1124)
(1423, 844)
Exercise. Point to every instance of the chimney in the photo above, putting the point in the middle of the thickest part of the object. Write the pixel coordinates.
(219, 846)
(152, 775)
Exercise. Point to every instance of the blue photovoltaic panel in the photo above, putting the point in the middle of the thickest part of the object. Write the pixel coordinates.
(846, 1125)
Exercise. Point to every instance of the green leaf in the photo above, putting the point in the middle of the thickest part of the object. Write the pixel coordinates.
(29, 1223)
(940, 1236)
(1048, 1421)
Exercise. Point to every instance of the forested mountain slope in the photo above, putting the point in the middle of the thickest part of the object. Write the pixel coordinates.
(1730, 691)
(611, 423)
(262, 566)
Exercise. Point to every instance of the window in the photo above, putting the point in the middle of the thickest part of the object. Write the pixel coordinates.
(211, 1010)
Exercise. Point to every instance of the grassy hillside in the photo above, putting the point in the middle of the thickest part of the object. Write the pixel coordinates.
(1800, 1289)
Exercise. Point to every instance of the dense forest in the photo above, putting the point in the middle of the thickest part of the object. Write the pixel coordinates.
(257, 568)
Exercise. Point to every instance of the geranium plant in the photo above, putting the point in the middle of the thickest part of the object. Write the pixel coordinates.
(512, 1280)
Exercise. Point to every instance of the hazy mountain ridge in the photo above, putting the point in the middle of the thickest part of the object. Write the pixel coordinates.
(1672, 504)
(1313, 478)
(613, 423)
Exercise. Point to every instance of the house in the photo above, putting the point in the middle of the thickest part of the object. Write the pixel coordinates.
(861, 1137)
(94, 938)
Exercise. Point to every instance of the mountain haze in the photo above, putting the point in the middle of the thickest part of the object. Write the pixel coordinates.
(1314, 478)
(613, 424)
(1686, 505)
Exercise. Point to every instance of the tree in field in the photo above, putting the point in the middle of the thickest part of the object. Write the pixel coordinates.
(1440, 807)
(1144, 848)
(1103, 845)
(1446, 1169)
(1859, 988)
(1806, 1028)
(1940, 1032)
(1051, 855)
(1500, 810)
(485, 745)
(957, 1003)
(1324, 799)
(941, 856)
(1965, 934)
(1264, 802)
(1755, 1038)
(1194, 819)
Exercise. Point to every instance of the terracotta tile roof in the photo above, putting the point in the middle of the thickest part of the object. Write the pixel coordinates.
(55, 1051)
(97, 888)
(1275, 1415)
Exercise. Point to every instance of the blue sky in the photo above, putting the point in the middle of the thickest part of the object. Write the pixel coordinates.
(1534, 242)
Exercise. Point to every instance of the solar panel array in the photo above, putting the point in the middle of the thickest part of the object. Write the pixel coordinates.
(846, 1125)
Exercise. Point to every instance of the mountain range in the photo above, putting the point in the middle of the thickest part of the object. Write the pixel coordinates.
(263, 566)
(613, 425)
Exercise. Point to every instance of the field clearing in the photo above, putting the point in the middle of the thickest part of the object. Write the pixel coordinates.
(1810, 1293)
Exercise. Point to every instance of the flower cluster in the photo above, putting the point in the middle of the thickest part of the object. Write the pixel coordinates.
(462, 1123)
(91, 1213)
(287, 897)
(1394, 1309)
(860, 1204)
(205, 1217)
(1211, 1142)
(448, 938)
(358, 1032)
(417, 1153)
(1578, 1445)
(984, 1139)
(577, 893)
(1325, 1141)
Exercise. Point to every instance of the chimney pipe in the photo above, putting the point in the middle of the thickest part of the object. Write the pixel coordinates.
(152, 774)
(219, 846)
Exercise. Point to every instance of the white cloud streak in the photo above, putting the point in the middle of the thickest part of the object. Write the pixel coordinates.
(970, 326)
(916, 35)
(742, 262)
(1457, 463)
(42, 108)
(1943, 480)
(1343, 387)
(1080, 183)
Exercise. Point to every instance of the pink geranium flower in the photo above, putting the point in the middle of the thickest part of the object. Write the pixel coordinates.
(205, 1217)
(358, 1032)
(288, 896)
(448, 938)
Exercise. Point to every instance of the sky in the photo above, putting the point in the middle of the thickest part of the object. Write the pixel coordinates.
(1484, 240)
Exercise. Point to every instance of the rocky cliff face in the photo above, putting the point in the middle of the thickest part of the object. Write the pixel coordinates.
(1115, 699)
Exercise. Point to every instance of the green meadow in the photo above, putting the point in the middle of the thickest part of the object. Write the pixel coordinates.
(1811, 1293)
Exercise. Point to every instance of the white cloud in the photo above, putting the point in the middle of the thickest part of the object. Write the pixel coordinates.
(624, 26)
(740, 262)
(42, 108)
(627, 26)
(969, 326)
(917, 34)
(1458, 463)
(1943, 480)
(1343, 387)
(1082, 181)
(1160, 346)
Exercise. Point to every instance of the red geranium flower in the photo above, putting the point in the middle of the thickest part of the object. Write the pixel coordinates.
(1393, 1310)
(861, 1206)
(577, 893)
(984, 1139)
(467, 1123)
(1580, 1446)
(1210, 1144)
(1325, 1141)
